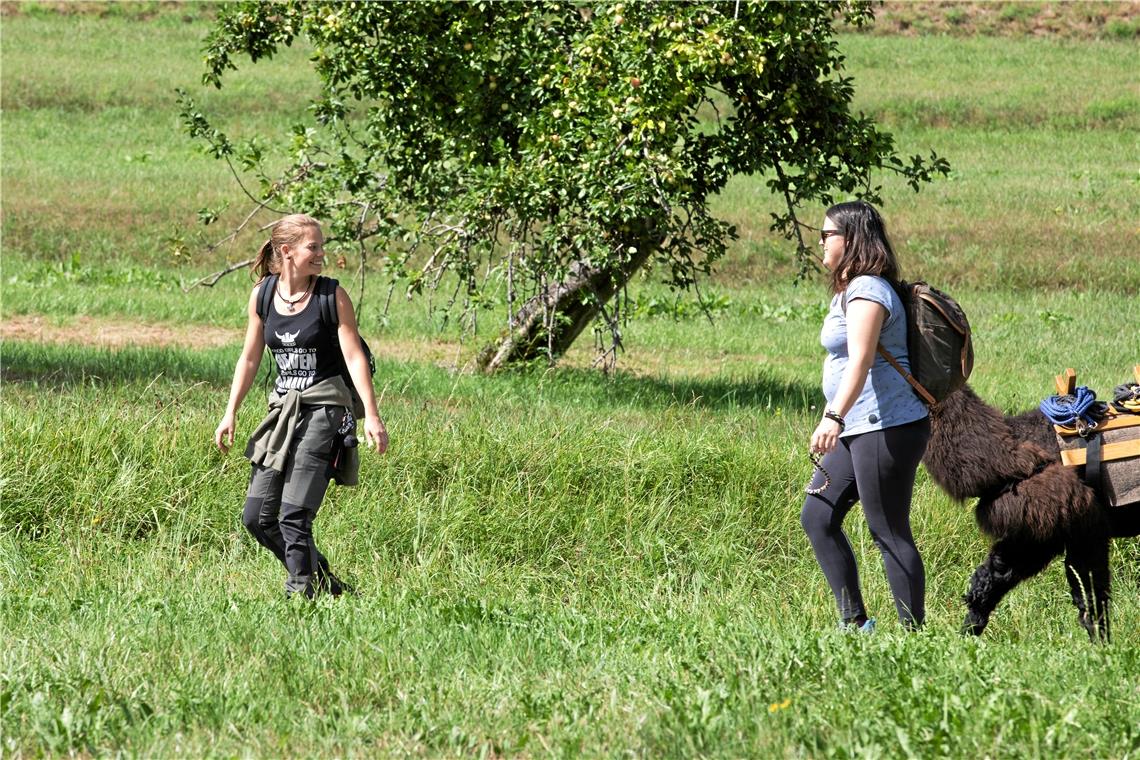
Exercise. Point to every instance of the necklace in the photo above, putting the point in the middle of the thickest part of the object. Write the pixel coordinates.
(292, 305)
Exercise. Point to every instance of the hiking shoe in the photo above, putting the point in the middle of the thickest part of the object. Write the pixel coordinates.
(867, 627)
(336, 587)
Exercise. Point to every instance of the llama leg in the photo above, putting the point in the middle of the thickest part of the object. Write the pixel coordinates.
(1009, 563)
(1086, 567)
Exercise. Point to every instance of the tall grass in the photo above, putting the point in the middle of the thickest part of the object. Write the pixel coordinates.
(612, 575)
(550, 562)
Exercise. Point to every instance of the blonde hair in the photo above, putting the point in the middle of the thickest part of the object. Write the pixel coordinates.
(286, 231)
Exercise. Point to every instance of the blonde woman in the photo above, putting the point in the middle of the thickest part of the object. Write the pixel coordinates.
(301, 443)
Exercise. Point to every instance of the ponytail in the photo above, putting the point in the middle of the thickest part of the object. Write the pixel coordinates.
(262, 265)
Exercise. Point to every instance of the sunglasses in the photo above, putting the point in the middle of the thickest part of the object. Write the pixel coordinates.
(825, 234)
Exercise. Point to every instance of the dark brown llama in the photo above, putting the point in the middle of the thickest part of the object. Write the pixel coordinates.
(1033, 507)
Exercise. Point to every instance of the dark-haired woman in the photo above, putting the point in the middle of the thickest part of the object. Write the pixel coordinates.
(874, 429)
(299, 446)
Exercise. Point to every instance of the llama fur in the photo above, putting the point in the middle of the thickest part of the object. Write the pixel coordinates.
(1032, 506)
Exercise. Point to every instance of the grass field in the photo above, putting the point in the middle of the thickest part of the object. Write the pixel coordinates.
(551, 562)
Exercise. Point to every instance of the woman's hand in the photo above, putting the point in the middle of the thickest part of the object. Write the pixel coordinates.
(224, 435)
(825, 437)
(375, 434)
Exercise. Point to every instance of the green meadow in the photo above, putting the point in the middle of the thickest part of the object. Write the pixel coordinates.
(551, 562)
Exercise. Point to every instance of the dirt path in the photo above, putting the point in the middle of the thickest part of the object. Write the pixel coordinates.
(450, 355)
(112, 333)
(118, 333)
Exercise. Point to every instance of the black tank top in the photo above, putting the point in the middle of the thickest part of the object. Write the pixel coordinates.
(302, 347)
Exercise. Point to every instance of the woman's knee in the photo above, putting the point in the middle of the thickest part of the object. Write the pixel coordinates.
(263, 498)
(893, 541)
(296, 521)
(256, 517)
(815, 517)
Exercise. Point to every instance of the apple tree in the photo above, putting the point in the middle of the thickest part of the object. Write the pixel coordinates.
(539, 154)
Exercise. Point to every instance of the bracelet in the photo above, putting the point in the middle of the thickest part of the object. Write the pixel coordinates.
(836, 418)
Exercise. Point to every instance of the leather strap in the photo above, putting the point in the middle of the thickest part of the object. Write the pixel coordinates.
(1093, 461)
(925, 394)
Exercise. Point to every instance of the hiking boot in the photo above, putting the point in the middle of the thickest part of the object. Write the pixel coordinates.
(867, 627)
(334, 586)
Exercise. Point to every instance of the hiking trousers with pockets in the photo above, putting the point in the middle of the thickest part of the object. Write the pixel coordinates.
(280, 507)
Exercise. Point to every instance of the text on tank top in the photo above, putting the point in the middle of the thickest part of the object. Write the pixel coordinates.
(302, 348)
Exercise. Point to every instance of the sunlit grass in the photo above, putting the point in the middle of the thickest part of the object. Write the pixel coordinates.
(630, 555)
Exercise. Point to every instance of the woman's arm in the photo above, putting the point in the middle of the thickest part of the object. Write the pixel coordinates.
(374, 431)
(244, 374)
(864, 323)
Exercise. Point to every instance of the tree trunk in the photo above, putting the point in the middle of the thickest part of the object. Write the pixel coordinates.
(549, 322)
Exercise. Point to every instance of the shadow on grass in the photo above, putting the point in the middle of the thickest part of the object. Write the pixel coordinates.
(68, 365)
(757, 389)
(73, 366)
(570, 387)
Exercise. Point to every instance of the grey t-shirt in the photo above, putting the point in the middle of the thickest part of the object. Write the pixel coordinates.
(887, 400)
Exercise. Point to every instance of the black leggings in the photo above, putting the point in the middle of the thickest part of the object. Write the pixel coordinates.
(876, 469)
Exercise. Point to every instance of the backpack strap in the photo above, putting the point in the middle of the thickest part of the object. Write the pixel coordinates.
(883, 352)
(326, 297)
(326, 301)
(264, 304)
(918, 388)
(265, 296)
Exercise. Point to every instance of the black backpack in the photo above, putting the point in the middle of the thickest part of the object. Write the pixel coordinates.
(937, 342)
(325, 293)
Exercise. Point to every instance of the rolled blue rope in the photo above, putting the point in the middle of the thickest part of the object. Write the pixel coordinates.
(1066, 410)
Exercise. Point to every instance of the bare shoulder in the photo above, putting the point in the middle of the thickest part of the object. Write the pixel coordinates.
(344, 305)
(253, 294)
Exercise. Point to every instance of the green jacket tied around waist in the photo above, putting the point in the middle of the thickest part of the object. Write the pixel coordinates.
(270, 442)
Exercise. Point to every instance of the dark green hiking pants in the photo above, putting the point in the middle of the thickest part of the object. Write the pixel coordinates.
(280, 507)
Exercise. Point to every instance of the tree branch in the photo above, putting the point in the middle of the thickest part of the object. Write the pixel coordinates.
(212, 279)
(803, 252)
(263, 203)
(233, 235)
